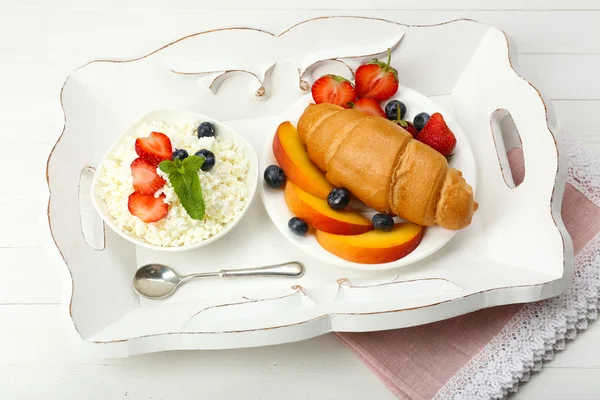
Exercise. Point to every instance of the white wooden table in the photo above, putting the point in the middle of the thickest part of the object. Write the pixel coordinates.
(41, 41)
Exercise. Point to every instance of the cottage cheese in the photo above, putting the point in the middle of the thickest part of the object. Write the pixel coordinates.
(223, 187)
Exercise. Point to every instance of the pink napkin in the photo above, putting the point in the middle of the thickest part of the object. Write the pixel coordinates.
(417, 363)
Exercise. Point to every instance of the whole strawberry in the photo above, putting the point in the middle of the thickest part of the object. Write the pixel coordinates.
(437, 135)
(376, 80)
(333, 89)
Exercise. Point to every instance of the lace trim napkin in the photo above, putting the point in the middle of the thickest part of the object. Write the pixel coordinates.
(539, 329)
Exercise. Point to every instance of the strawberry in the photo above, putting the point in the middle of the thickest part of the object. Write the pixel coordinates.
(154, 148)
(333, 89)
(437, 135)
(377, 80)
(368, 106)
(147, 207)
(408, 127)
(145, 178)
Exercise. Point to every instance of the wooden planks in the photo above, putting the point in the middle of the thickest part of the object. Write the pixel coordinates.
(107, 32)
(22, 223)
(579, 119)
(39, 362)
(434, 5)
(41, 41)
(32, 278)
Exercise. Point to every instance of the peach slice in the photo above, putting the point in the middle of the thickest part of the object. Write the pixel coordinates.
(317, 213)
(373, 247)
(293, 159)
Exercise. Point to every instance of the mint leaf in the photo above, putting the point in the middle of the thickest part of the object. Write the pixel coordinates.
(167, 166)
(183, 176)
(193, 163)
(186, 183)
(187, 188)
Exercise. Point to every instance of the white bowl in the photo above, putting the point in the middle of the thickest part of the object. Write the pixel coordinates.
(174, 117)
(434, 238)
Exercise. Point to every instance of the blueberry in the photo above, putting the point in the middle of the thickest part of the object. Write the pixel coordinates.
(206, 129)
(209, 159)
(274, 176)
(298, 226)
(180, 154)
(338, 198)
(420, 120)
(383, 222)
(391, 110)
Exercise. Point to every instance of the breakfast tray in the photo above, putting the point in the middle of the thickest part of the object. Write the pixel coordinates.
(515, 250)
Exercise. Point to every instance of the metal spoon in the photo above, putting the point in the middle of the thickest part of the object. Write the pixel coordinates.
(157, 281)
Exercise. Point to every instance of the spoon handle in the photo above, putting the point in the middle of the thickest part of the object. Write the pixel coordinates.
(292, 269)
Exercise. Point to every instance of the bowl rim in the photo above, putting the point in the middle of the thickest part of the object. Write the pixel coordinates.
(252, 182)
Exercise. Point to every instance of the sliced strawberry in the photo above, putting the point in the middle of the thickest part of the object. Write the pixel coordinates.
(368, 106)
(145, 178)
(147, 207)
(377, 80)
(437, 135)
(333, 89)
(154, 148)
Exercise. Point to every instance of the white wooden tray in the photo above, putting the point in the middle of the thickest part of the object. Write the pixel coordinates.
(516, 250)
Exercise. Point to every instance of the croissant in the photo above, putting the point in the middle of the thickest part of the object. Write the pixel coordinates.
(385, 168)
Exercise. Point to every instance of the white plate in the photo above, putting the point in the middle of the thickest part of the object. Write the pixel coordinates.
(177, 117)
(434, 238)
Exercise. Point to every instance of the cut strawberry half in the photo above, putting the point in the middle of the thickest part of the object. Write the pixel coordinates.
(145, 178)
(333, 89)
(368, 106)
(147, 207)
(154, 148)
(377, 80)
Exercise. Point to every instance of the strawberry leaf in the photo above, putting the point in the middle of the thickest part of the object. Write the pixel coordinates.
(338, 78)
(386, 66)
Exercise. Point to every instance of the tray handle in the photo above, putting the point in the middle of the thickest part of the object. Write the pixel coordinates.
(488, 92)
(92, 227)
(506, 137)
(520, 224)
